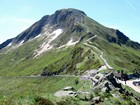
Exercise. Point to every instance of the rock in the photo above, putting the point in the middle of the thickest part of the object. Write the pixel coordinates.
(95, 100)
(68, 88)
(115, 95)
(104, 89)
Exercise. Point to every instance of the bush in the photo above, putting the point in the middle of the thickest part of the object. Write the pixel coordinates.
(68, 101)
(42, 101)
(91, 96)
(76, 81)
(61, 103)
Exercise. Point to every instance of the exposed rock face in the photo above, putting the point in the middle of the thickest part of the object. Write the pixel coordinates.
(66, 17)
(71, 21)
(122, 39)
(6, 43)
(95, 100)
(60, 19)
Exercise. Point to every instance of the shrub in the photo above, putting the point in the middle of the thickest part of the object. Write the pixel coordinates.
(68, 101)
(91, 96)
(76, 81)
(42, 101)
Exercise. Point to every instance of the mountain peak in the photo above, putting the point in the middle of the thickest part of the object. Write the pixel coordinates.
(72, 21)
(67, 17)
(70, 10)
(63, 18)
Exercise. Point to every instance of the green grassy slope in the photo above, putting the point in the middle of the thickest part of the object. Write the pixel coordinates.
(119, 56)
(75, 59)
(24, 90)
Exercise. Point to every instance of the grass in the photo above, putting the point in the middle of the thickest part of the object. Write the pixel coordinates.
(21, 62)
(74, 59)
(16, 89)
(119, 57)
(131, 91)
(25, 91)
(114, 97)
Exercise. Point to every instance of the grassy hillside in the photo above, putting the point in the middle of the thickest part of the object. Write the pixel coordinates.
(75, 59)
(117, 49)
(119, 57)
(30, 90)
(24, 90)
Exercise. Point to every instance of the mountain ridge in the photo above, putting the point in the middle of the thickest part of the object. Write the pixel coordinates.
(57, 42)
(57, 19)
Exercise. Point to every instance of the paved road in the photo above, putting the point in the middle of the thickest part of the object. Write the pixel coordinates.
(130, 84)
(38, 76)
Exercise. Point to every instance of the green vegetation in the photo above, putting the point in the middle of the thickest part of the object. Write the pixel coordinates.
(43, 101)
(76, 59)
(19, 69)
(120, 56)
(114, 98)
(25, 90)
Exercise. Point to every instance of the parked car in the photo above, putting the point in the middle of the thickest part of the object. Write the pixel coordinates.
(136, 83)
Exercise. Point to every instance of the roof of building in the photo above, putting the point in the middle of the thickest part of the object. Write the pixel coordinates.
(117, 74)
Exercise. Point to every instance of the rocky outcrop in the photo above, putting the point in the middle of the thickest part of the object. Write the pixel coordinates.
(96, 100)
(121, 38)
(60, 19)
(6, 43)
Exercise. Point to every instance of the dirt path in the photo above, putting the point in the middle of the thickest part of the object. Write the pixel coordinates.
(100, 52)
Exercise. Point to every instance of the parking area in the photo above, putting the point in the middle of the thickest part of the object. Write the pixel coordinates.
(131, 84)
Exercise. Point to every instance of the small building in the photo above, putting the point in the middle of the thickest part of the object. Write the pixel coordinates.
(118, 75)
(121, 75)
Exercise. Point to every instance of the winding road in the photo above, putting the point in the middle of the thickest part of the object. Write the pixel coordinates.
(100, 52)
(129, 82)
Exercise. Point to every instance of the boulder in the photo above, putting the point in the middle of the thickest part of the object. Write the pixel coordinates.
(95, 100)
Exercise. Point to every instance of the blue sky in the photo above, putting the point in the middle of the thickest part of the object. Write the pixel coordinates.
(18, 15)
